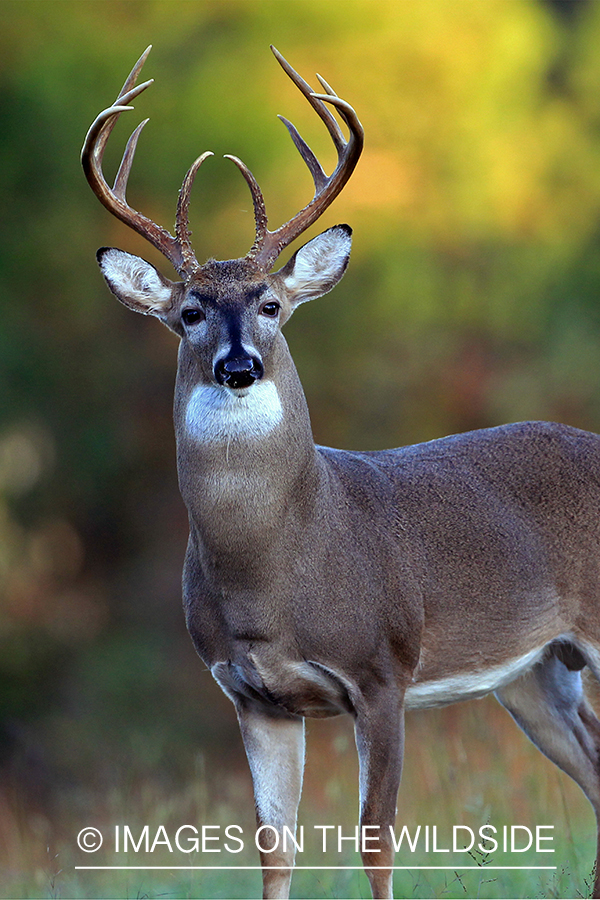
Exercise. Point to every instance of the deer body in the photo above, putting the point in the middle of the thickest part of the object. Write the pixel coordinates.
(318, 581)
(459, 544)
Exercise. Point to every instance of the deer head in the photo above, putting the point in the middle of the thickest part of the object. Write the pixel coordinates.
(228, 312)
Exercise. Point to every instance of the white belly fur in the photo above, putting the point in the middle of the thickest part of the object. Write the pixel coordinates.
(469, 685)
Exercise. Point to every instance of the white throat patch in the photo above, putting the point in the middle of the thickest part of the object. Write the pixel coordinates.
(217, 415)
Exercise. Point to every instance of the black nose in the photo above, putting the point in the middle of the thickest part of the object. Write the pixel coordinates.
(238, 371)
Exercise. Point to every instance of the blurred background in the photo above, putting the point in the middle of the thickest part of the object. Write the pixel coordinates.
(472, 299)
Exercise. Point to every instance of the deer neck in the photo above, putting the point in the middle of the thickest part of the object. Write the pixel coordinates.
(246, 460)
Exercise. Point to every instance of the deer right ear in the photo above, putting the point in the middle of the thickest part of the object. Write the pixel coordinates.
(317, 266)
(135, 282)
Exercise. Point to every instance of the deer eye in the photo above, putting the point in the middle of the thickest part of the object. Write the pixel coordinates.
(271, 309)
(191, 316)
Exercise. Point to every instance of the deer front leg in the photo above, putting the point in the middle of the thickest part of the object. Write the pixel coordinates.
(379, 730)
(275, 750)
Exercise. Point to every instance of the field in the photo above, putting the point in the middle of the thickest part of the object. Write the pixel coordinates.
(466, 765)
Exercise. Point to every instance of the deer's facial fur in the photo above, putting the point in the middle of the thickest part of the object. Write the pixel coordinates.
(230, 313)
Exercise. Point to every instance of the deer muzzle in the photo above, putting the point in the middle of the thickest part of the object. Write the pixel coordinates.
(238, 371)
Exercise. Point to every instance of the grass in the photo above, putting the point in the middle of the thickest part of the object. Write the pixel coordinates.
(465, 765)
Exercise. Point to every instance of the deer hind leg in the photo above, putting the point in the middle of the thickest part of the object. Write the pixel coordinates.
(275, 750)
(549, 704)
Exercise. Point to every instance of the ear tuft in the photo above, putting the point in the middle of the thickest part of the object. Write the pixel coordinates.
(135, 282)
(317, 266)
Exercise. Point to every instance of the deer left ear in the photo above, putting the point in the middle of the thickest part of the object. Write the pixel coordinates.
(135, 282)
(316, 267)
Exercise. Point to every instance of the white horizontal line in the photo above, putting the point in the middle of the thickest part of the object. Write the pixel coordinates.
(310, 868)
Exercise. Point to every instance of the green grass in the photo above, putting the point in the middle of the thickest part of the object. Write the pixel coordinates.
(465, 765)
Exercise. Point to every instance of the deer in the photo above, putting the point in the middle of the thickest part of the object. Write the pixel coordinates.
(319, 582)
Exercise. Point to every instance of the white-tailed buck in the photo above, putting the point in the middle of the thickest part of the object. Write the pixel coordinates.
(319, 581)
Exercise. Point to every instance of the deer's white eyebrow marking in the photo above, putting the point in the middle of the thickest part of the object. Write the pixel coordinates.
(215, 414)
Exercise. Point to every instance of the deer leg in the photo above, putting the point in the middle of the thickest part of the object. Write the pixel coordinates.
(549, 704)
(275, 750)
(379, 730)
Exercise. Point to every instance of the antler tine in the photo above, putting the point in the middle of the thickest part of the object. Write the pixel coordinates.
(96, 139)
(120, 185)
(127, 93)
(258, 202)
(269, 244)
(182, 230)
(349, 116)
(305, 88)
(113, 199)
(134, 74)
(314, 166)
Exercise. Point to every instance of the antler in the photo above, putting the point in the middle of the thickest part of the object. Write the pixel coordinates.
(177, 249)
(269, 244)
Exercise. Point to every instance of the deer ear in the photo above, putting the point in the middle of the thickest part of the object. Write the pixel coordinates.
(316, 267)
(135, 282)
